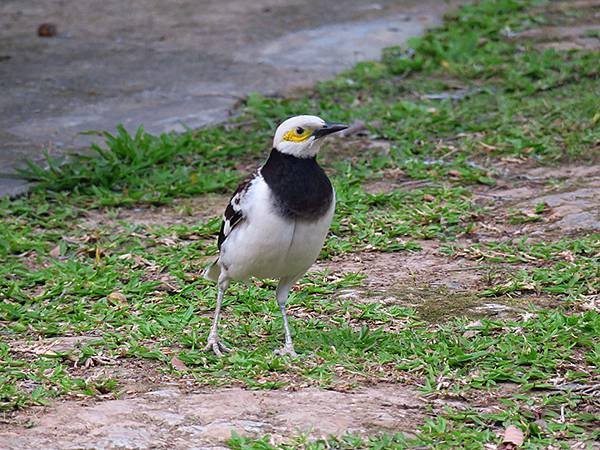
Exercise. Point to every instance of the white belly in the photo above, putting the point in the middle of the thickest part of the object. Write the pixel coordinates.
(266, 245)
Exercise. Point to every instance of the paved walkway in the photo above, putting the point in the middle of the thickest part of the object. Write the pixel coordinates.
(168, 65)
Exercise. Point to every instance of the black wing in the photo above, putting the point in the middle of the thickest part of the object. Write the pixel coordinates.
(233, 214)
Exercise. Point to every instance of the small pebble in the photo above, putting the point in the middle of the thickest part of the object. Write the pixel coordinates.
(47, 30)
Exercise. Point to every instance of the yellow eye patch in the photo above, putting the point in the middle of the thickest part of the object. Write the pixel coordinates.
(298, 134)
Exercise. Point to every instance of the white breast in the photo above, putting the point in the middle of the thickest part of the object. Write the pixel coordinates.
(307, 241)
(267, 245)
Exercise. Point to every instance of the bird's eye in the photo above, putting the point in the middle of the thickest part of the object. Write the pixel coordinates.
(299, 131)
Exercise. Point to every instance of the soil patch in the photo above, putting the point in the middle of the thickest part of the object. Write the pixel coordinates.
(389, 271)
(52, 346)
(437, 286)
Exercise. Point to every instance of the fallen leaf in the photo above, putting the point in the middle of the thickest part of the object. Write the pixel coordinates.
(472, 330)
(513, 438)
(568, 255)
(117, 297)
(355, 128)
(178, 364)
(169, 242)
(55, 252)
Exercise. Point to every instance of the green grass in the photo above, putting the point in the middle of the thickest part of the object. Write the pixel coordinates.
(148, 169)
(450, 106)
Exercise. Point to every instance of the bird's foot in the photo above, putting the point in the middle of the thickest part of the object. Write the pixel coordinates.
(286, 350)
(215, 345)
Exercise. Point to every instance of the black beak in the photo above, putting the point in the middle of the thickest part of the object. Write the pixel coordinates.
(328, 128)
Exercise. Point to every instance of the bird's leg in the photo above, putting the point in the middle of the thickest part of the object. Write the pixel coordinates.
(283, 290)
(213, 342)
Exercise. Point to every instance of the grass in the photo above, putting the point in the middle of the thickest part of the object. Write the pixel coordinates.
(451, 107)
(570, 267)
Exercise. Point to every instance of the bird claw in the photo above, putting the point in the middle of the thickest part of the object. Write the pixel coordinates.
(216, 346)
(286, 350)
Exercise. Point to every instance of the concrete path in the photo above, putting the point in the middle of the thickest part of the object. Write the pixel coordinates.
(168, 65)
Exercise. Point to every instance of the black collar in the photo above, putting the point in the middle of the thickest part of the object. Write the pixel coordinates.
(300, 187)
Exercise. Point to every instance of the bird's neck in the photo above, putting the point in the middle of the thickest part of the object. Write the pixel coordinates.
(277, 157)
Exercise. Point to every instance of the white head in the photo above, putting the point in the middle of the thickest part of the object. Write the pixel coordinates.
(301, 136)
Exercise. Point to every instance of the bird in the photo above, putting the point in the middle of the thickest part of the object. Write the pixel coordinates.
(276, 221)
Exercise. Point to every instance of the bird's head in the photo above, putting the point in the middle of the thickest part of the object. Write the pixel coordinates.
(301, 136)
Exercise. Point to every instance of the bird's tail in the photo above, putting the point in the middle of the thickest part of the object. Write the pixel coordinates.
(213, 271)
